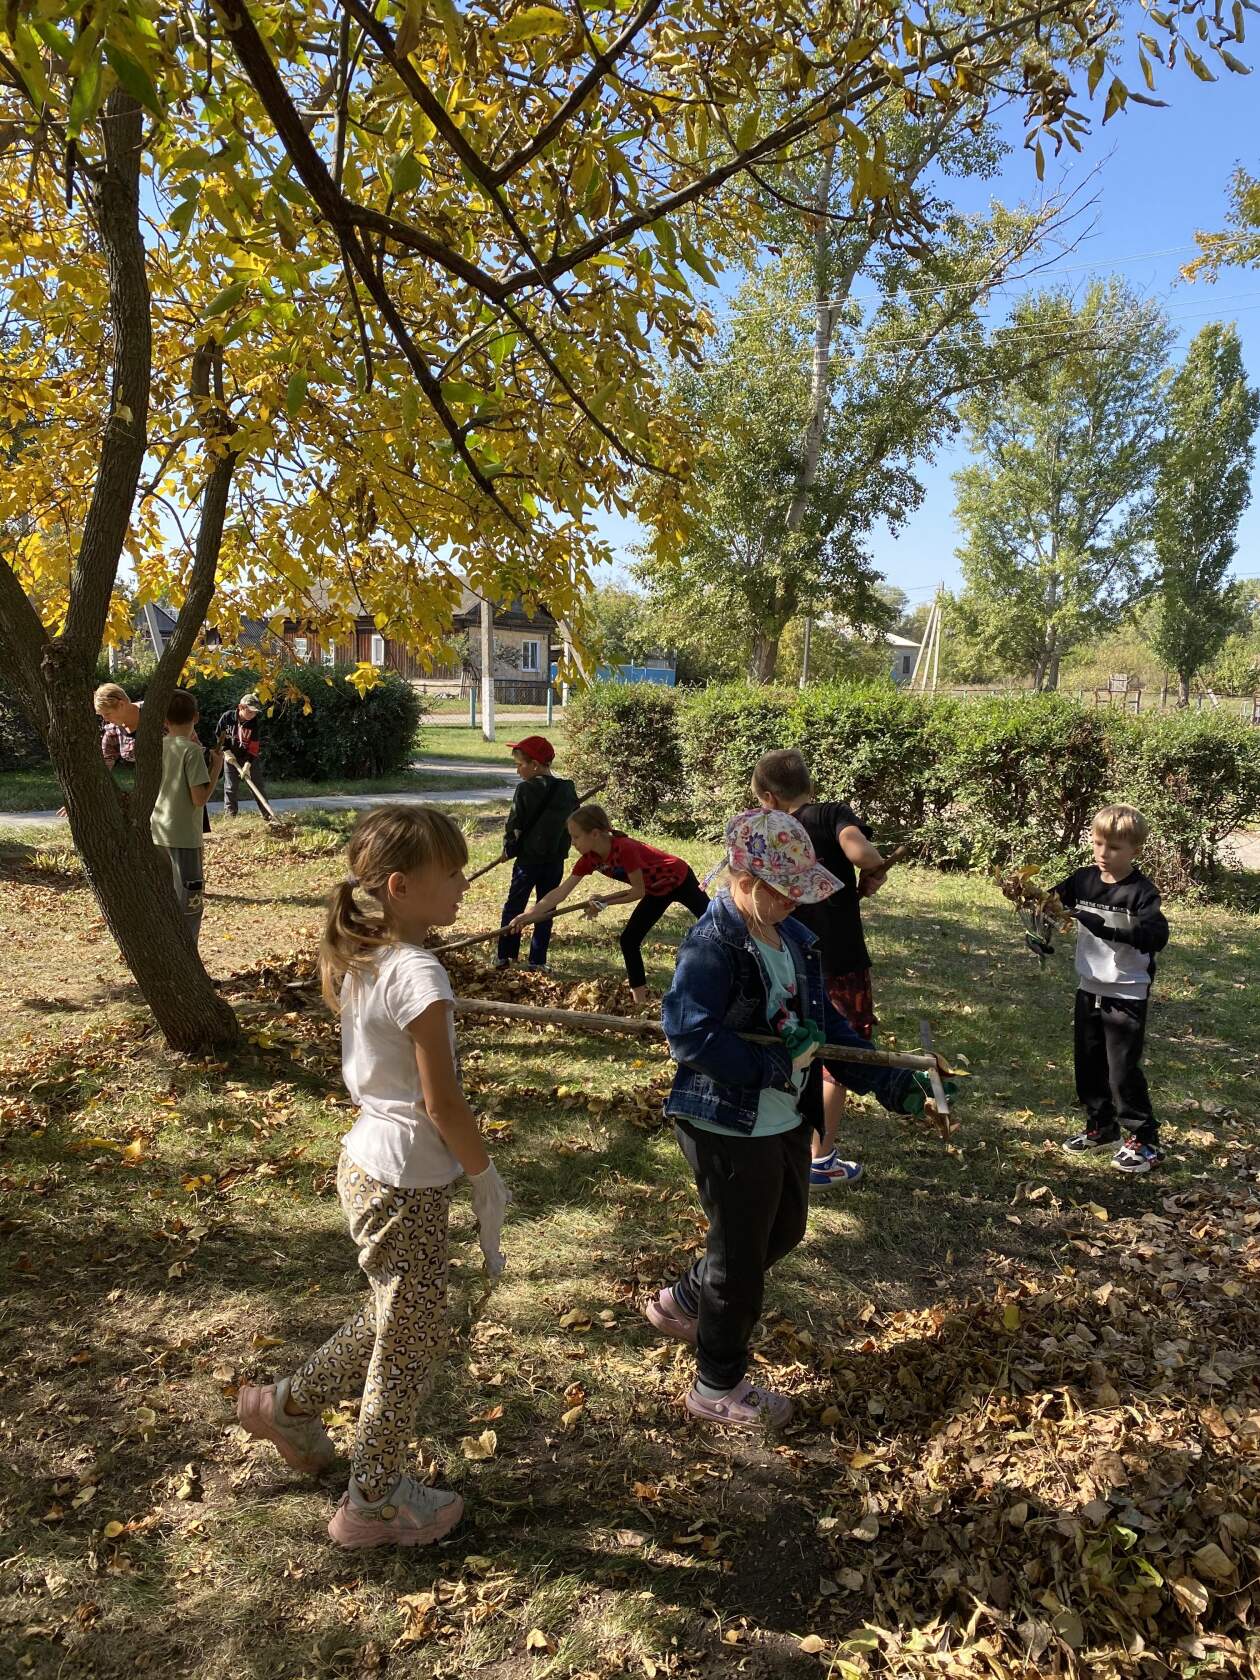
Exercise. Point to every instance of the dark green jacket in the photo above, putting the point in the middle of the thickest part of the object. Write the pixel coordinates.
(535, 830)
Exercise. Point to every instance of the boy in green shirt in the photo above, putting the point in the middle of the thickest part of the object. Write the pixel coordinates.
(186, 787)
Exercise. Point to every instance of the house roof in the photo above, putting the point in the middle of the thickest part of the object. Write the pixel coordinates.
(900, 641)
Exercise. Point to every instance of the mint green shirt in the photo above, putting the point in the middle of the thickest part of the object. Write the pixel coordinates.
(777, 1111)
(176, 821)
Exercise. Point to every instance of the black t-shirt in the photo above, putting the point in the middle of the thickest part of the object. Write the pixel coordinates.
(837, 921)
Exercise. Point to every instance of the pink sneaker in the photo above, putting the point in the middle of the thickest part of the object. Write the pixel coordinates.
(412, 1515)
(664, 1314)
(745, 1407)
(302, 1442)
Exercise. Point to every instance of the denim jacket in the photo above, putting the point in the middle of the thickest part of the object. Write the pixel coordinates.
(721, 988)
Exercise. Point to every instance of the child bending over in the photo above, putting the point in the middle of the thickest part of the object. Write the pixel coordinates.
(414, 1135)
(1122, 927)
(744, 1113)
(656, 880)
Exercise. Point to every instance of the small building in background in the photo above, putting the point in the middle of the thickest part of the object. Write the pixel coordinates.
(904, 653)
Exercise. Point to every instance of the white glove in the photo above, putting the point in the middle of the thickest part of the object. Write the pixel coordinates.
(490, 1197)
(593, 907)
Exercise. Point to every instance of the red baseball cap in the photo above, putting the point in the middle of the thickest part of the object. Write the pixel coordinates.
(536, 747)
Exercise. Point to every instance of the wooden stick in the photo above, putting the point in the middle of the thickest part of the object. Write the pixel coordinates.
(503, 857)
(495, 933)
(243, 771)
(865, 1054)
(934, 1073)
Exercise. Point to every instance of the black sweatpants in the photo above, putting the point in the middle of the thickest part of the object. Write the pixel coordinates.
(755, 1191)
(647, 912)
(1109, 1035)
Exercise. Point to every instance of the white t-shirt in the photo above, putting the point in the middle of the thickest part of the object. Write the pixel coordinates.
(393, 1140)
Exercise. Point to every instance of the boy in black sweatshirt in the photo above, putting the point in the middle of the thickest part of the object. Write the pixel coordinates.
(1121, 929)
(537, 840)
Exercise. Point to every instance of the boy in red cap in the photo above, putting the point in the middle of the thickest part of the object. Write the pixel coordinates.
(537, 840)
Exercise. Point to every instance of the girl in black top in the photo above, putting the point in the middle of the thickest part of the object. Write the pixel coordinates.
(782, 782)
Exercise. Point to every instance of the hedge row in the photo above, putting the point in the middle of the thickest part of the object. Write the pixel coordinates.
(324, 730)
(1006, 781)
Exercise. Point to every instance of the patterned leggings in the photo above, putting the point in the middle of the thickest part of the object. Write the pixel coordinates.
(387, 1349)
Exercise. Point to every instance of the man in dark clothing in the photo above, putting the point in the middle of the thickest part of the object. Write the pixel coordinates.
(240, 731)
(537, 841)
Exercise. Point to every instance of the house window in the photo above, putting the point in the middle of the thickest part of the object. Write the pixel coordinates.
(531, 656)
(907, 665)
(328, 654)
(378, 650)
(301, 647)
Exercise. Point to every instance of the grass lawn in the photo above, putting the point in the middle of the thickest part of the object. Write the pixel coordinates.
(1028, 1438)
(37, 789)
(460, 744)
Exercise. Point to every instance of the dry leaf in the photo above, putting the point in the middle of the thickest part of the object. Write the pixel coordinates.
(112, 1530)
(1098, 1211)
(1010, 1316)
(867, 1529)
(812, 1644)
(849, 1579)
(1017, 1515)
(575, 1319)
(480, 1446)
(860, 1460)
(1192, 1595)
(569, 1419)
(830, 1416)
(259, 1342)
(1211, 1561)
(536, 1640)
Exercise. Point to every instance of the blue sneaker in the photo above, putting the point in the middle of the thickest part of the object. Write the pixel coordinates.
(829, 1169)
(1134, 1156)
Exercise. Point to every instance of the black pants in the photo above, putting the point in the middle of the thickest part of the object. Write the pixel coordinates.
(755, 1192)
(1109, 1035)
(233, 782)
(647, 912)
(529, 877)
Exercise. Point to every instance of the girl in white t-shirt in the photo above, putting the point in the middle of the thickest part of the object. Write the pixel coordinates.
(414, 1135)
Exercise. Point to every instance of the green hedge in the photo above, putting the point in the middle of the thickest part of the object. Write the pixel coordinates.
(343, 735)
(993, 782)
(627, 734)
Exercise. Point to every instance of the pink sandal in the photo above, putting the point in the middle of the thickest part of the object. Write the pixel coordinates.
(745, 1407)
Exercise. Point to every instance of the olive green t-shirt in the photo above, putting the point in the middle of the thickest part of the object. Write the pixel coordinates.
(176, 821)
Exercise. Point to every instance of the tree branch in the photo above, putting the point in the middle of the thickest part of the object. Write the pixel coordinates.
(117, 206)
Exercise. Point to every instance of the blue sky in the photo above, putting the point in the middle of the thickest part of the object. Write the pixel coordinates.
(1161, 176)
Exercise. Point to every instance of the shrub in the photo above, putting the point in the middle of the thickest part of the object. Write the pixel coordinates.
(20, 744)
(627, 734)
(1195, 776)
(723, 732)
(1023, 775)
(344, 734)
(876, 747)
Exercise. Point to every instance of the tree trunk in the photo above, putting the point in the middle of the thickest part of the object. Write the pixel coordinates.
(53, 676)
(763, 664)
(132, 885)
(1184, 679)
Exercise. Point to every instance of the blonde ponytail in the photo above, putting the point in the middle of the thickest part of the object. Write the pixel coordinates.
(394, 839)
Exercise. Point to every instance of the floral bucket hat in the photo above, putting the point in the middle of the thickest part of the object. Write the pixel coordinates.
(776, 849)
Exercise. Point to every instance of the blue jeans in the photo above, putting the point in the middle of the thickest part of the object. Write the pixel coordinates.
(537, 878)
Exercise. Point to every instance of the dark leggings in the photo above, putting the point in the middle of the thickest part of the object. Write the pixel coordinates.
(647, 912)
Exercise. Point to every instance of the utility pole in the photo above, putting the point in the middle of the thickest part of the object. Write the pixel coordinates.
(928, 662)
(809, 630)
(487, 668)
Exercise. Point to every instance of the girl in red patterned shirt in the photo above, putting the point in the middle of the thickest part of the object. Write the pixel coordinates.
(655, 880)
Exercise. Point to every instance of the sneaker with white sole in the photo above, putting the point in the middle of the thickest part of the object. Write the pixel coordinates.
(664, 1314)
(302, 1442)
(827, 1170)
(409, 1515)
(745, 1407)
(1134, 1156)
(1101, 1137)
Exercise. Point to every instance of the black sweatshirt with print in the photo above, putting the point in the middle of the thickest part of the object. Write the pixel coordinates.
(1121, 927)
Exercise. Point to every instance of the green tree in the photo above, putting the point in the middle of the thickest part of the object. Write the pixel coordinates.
(808, 430)
(1055, 512)
(1201, 490)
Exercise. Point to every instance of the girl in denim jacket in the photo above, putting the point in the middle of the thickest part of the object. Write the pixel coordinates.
(744, 1114)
